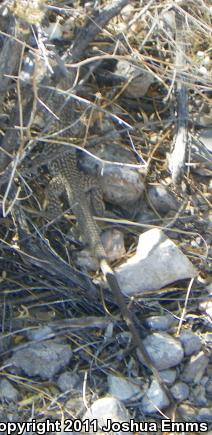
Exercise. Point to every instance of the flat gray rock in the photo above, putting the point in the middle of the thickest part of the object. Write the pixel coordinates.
(157, 263)
(123, 389)
(43, 359)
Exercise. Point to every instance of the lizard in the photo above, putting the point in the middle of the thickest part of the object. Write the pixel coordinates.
(68, 177)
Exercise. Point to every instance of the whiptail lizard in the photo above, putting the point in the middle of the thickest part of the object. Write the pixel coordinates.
(68, 178)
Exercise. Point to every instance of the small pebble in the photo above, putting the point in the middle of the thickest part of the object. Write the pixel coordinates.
(168, 376)
(162, 200)
(195, 368)
(39, 333)
(198, 396)
(205, 414)
(154, 399)
(8, 393)
(180, 391)
(161, 323)
(68, 381)
(191, 342)
(208, 388)
(124, 389)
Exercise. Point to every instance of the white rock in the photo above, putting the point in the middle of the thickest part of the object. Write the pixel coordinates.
(105, 409)
(157, 263)
(123, 389)
(155, 399)
(203, 70)
(164, 350)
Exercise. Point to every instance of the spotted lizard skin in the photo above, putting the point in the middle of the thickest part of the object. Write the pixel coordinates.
(67, 177)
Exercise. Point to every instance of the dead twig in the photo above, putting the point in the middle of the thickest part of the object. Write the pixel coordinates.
(178, 154)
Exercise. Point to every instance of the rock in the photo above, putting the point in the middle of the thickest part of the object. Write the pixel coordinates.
(105, 409)
(154, 399)
(124, 389)
(191, 342)
(209, 288)
(7, 392)
(164, 350)
(161, 323)
(168, 376)
(206, 307)
(54, 31)
(208, 388)
(204, 380)
(205, 414)
(198, 396)
(167, 21)
(68, 381)
(162, 200)
(122, 185)
(139, 79)
(113, 242)
(195, 368)
(43, 359)
(84, 261)
(208, 339)
(157, 263)
(180, 391)
(39, 333)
